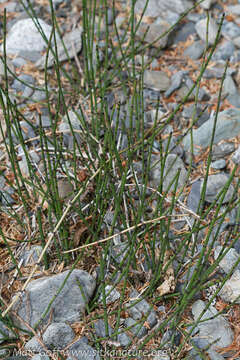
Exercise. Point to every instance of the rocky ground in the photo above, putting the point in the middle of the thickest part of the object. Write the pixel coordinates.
(70, 325)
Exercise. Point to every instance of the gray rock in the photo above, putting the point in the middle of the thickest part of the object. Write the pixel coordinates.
(195, 50)
(231, 289)
(200, 116)
(219, 164)
(69, 304)
(18, 85)
(217, 72)
(140, 308)
(201, 28)
(222, 150)
(234, 9)
(172, 164)
(182, 34)
(38, 96)
(80, 350)
(25, 36)
(230, 30)
(203, 344)
(5, 333)
(202, 94)
(156, 8)
(207, 4)
(57, 336)
(19, 62)
(224, 51)
(30, 256)
(32, 56)
(101, 330)
(229, 86)
(194, 196)
(157, 80)
(111, 295)
(120, 251)
(45, 121)
(184, 90)
(73, 45)
(65, 128)
(236, 156)
(228, 126)
(234, 99)
(26, 129)
(236, 42)
(154, 31)
(213, 329)
(229, 259)
(124, 339)
(6, 196)
(215, 184)
(176, 81)
(136, 329)
(10, 69)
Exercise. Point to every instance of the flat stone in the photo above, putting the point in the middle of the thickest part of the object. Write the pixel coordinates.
(140, 308)
(194, 196)
(195, 50)
(136, 329)
(154, 31)
(227, 127)
(222, 150)
(214, 329)
(111, 295)
(219, 164)
(101, 330)
(229, 86)
(172, 164)
(234, 99)
(157, 80)
(57, 336)
(217, 72)
(230, 30)
(200, 116)
(182, 34)
(69, 304)
(229, 260)
(231, 289)
(224, 51)
(30, 256)
(176, 81)
(215, 184)
(201, 28)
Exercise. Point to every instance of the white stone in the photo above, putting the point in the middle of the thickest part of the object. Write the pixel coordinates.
(231, 290)
(201, 28)
(24, 36)
(207, 4)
